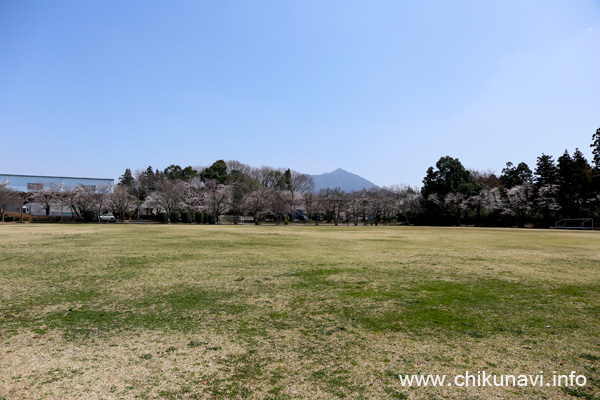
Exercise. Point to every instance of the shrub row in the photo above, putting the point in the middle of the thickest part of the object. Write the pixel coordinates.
(185, 217)
(16, 217)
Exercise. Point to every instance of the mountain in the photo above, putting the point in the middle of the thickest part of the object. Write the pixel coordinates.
(342, 179)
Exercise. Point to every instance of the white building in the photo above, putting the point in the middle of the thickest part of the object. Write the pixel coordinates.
(34, 183)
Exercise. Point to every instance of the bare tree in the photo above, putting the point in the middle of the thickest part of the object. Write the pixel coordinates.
(335, 200)
(168, 196)
(80, 199)
(486, 177)
(241, 186)
(365, 204)
(375, 203)
(455, 205)
(257, 202)
(217, 197)
(278, 202)
(310, 204)
(520, 202)
(354, 206)
(69, 196)
(193, 195)
(546, 200)
(85, 199)
(122, 202)
(494, 200)
(8, 197)
(47, 196)
(388, 198)
(99, 199)
(409, 204)
(319, 208)
(476, 202)
(235, 165)
(270, 177)
(299, 184)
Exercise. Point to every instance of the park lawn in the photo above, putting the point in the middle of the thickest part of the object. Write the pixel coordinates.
(283, 312)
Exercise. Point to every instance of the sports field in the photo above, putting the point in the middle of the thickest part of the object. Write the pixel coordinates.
(229, 312)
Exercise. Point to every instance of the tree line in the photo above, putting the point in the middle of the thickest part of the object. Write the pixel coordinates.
(567, 188)
(265, 193)
(451, 195)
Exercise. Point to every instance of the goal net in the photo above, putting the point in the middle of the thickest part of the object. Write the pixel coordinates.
(575, 223)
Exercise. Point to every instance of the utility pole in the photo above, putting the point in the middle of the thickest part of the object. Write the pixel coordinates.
(22, 205)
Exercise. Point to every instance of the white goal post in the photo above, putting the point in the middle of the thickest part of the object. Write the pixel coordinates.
(575, 223)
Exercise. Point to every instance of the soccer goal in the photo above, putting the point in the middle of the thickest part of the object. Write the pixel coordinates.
(575, 223)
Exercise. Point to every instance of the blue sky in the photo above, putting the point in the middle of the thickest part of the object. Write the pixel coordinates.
(382, 89)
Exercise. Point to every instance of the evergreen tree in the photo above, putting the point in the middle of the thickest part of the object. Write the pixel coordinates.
(565, 181)
(513, 176)
(127, 179)
(287, 179)
(575, 178)
(546, 172)
(446, 190)
(582, 183)
(546, 180)
(146, 183)
(217, 171)
(175, 172)
(596, 149)
(450, 177)
(596, 172)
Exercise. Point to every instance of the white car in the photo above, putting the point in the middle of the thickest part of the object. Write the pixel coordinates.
(107, 218)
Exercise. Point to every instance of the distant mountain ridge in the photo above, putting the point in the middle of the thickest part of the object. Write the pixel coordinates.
(345, 180)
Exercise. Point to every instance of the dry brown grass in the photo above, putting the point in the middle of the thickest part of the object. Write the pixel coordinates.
(124, 312)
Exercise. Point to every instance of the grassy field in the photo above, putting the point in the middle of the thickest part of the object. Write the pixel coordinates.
(228, 312)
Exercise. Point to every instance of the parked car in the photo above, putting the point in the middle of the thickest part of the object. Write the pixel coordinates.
(107, 218)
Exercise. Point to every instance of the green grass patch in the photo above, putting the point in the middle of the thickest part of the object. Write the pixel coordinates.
(293, 312)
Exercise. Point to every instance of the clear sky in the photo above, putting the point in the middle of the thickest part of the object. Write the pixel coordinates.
(382, 89)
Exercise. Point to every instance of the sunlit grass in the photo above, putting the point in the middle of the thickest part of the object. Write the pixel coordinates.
(182, 311)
